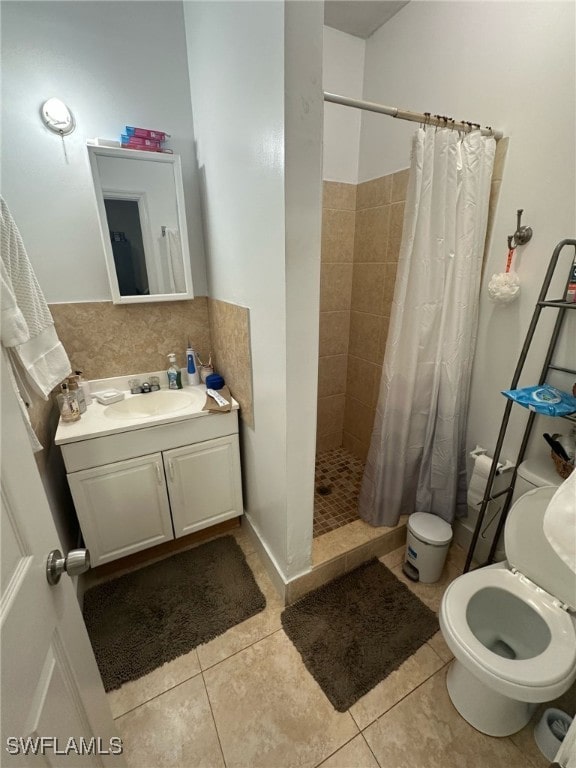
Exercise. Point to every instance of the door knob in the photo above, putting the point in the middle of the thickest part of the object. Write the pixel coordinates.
(77, 561)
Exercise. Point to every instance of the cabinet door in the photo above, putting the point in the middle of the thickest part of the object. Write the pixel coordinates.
(122, 507)
(204, 484)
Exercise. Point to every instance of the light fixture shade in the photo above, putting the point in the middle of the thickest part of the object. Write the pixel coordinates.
(57, 117)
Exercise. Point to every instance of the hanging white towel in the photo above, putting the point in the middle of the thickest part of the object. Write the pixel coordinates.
(174, 261)
(27, 325)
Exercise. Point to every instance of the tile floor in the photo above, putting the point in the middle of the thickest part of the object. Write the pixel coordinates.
(245, 700)
(336, 487)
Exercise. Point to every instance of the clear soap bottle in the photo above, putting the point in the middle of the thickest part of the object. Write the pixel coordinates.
(68, 405)
(174, 374)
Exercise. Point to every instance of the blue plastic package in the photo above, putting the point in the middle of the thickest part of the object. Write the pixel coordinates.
(543, 399)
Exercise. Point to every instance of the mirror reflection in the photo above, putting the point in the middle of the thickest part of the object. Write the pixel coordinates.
(140, 203)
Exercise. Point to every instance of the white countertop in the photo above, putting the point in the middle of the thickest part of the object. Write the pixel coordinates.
(96, 423)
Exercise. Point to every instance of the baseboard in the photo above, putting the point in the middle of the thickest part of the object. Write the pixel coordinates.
(268, 559)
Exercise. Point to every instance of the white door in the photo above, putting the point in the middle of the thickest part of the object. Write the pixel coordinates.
(50, 685)
(204, 484)
(122, 507)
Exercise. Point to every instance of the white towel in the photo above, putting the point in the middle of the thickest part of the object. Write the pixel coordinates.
(175, 261)
(27, 325)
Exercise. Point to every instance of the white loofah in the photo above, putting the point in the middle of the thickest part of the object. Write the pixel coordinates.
(504, 287)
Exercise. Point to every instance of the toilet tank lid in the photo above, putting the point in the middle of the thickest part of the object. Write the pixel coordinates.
(529, 551)
(539, 471)
(429, 528)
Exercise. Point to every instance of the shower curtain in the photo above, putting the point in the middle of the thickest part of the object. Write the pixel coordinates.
(416, 461)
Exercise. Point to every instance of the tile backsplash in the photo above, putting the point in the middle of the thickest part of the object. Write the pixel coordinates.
(104, 339)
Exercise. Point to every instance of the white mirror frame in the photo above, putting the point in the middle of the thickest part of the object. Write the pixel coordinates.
(154, 157)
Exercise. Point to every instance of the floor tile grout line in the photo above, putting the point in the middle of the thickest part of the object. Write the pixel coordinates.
(254, 642)
(214, 721)
(156, 695)
(421, 683)
(200, 672)
(319, 765)
(369, 747)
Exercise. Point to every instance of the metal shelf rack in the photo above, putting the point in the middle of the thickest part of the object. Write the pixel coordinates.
(542, 303)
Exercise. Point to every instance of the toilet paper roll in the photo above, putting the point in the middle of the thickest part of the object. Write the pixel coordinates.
(477, 485)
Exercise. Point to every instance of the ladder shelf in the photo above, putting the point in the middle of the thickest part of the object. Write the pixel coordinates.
(541, 304)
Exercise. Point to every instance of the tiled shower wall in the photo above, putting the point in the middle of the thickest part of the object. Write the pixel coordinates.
(338, 225)
(361, 232)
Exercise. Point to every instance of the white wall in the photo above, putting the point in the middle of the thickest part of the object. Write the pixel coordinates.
(113, 64)
(236, 55)
(343, 74)
(510, 65)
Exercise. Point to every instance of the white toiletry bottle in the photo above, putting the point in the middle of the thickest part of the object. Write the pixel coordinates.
(173, 373)
(191, 366)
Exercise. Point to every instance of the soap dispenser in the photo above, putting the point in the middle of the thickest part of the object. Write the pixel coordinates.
(173, 373)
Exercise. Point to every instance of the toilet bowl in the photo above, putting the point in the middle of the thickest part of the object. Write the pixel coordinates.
(511, 627)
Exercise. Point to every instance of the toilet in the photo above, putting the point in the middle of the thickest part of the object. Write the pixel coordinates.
(511, 626)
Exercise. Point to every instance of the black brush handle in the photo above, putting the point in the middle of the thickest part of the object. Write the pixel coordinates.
(556, 447)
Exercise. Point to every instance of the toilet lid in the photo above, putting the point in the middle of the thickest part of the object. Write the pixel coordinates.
(529, 551)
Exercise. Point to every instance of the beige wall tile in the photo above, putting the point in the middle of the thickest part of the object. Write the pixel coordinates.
(332, 375)
(338, 235)
(384, 326)
(367, 287)
(374, 192)
(390, 270)
(230, 333)
(371, 234)
(358, 419)
(334, 333)
(365, 336)
(328, 442)
(399, 185)
(330, 414)
(395, 232)
(336, 194)
(335, 287)
(356, 448)
(104, 339)
(363, 380)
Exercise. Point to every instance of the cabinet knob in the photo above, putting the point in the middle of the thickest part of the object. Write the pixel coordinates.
(159, 474)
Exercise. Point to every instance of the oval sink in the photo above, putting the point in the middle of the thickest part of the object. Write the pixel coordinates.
(155, 404)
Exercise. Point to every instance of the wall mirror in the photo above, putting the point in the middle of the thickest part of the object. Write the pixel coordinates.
(140, 201)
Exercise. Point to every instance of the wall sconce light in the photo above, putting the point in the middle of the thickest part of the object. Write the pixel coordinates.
(57, 117)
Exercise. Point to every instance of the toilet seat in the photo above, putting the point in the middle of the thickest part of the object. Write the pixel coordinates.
(545, 670)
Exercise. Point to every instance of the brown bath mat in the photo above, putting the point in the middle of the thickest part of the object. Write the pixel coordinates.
(140, 621)
(356, 630)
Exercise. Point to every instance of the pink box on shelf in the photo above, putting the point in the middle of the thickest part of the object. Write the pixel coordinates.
(146, 133)
(138, 141)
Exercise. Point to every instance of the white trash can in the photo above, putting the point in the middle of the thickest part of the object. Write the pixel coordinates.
(427, 545)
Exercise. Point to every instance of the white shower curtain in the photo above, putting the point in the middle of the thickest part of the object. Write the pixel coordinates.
(416, 461)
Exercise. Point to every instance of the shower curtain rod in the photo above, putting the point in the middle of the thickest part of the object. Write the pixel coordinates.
(416, 117)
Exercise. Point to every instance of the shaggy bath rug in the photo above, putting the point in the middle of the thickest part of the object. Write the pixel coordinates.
(140, 621)
(354, 631)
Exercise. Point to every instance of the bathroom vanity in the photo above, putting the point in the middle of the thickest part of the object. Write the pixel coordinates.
(140, 476)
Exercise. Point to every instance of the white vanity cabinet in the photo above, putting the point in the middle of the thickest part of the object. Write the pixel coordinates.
(141, 487)
(122, 507)
(202, 483)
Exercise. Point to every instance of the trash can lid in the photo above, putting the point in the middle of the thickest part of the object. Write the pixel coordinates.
(430, 529)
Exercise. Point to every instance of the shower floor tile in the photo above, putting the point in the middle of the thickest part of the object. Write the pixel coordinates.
(336, 490)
